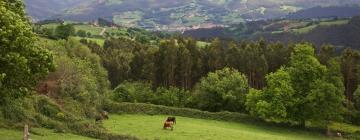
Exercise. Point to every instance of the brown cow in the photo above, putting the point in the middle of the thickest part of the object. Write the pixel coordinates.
(169, 123)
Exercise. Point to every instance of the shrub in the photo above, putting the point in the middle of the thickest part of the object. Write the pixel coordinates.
(46, 106)
(133, 92)
(95, 131)
(172, 96)
(222, 90)
(18, 110)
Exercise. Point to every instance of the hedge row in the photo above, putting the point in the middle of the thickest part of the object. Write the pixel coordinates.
(95, 131)
(149, 109)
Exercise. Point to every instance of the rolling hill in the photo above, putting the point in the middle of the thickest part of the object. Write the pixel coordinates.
(321, 12)
(338, 32)
(172, 15)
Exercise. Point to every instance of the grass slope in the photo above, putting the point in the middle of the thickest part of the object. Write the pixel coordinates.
(44, 134)
(150, 127)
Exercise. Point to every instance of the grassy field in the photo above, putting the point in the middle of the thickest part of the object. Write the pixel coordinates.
(43, 134)
(322, 23)
(150, 127)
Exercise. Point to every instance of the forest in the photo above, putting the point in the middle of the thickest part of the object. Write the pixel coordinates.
(49, 79)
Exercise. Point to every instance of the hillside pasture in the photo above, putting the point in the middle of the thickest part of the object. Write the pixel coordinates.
(150, 127)
(322, 23)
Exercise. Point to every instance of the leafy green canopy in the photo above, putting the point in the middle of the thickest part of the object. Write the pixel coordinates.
(357, 97)
(304, 91)
(274, 102)
(222, 90)
(22, 63)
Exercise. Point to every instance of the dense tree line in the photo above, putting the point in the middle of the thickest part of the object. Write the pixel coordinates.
(180, 62)
(287, 80)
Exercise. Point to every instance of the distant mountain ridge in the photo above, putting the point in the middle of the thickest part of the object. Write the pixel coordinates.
(172, 14)
(323, 12)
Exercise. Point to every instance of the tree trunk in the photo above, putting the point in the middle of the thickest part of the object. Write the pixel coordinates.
(328, 131)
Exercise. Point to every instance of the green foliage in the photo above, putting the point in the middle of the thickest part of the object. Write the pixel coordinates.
(322, 101)
(327, 95)
(22, 62)
(15, 6)
(222, 90)
(133, 92)
(82, 80)
(171, 97)
(304, 70)
(350, 69)
(141, 92)
(18, 111)
(276, 101)
(357, 98)
(82, 33)
(304, 91)
(98, 132)
(117, 57)
(64, 31)
(46, 106)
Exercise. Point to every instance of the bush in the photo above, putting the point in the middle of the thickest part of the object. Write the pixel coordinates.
(46, 106)
(19, 111)
(95, 131)
(222, 90)
(172, 96)
(133, 92)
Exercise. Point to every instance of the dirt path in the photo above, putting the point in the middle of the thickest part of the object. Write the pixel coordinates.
(103, 31)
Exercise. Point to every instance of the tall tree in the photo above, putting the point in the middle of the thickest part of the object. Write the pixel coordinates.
(22, 62)
(350, 67)
(255, 64)
(324, 104)
(304, 69)
(64, 31)
(215, 54)
(327, 95)
(357, 98)
(276, 102)
(166, 59)
(183, 69)
(326, 53)
(196, 58)
(276, 55)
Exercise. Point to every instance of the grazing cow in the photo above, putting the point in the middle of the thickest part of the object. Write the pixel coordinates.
(169, 123)
(171, 119)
